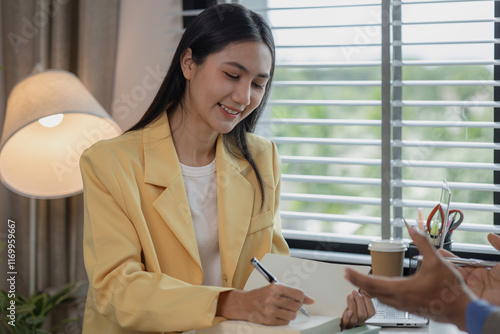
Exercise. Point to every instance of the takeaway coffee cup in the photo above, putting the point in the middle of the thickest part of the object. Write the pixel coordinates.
(387, 257)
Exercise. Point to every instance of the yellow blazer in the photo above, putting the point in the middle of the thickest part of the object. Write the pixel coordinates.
(140, 248)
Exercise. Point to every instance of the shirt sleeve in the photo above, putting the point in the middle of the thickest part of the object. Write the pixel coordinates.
(476, 314)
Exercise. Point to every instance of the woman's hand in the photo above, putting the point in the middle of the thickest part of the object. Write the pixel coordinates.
(359, 309)
(484, 282)
(274, 304)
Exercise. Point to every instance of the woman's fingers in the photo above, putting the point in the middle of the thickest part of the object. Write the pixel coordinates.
(308, 300)
(347, 320)
(276, 304)
(295, 294)
(359, 309)
(273, 304)
(369, 306)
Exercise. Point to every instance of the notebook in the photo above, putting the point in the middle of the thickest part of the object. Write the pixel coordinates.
(388, 316)
(301, 325)
(324, 282)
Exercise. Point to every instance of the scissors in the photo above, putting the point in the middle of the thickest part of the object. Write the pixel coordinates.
(435, 223)
(453, 222)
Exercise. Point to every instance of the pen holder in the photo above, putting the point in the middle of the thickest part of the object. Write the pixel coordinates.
(413, 264)
(447, 241)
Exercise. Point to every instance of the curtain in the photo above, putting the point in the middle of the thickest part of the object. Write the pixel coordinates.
(80, 37)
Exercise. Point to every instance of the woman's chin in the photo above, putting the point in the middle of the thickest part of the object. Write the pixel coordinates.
(225, 128)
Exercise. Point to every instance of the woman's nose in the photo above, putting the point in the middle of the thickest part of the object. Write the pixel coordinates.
(241, 94)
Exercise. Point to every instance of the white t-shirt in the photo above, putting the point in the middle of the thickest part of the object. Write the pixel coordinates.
(201, 189)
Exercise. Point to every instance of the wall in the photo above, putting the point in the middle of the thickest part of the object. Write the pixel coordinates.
(146, 45)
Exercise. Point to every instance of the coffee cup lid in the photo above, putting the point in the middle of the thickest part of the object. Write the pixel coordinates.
(387, 245)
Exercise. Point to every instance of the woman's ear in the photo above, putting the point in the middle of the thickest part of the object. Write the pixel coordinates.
(187, 64)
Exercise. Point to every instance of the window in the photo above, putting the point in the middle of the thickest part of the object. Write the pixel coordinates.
(325, 114)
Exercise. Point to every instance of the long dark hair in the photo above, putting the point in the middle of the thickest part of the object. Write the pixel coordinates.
(211, 31)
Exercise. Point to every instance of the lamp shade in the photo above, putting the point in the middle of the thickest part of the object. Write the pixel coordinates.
(51, 118)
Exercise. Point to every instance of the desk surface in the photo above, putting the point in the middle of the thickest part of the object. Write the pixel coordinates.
(432, 328)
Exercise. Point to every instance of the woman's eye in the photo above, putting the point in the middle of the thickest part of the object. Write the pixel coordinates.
(231, 76)
(259, 86)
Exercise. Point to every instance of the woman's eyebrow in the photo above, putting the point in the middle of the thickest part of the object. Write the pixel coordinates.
(244, 69)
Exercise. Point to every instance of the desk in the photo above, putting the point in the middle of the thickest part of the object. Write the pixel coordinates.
(432, 328)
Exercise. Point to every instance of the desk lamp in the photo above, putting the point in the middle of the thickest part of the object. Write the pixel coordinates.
(50, 119)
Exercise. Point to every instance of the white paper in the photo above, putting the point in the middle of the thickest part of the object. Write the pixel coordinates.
(324, 282)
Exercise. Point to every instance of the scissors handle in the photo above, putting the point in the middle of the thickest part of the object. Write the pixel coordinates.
(454, 223)
(453, 215)
(435, 217)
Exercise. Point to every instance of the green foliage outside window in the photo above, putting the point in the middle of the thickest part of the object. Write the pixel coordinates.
(429, 93)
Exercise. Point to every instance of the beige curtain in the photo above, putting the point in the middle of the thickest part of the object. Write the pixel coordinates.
(78, 36)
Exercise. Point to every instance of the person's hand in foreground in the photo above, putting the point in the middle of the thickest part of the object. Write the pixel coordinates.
(484, 282)
(437, 291)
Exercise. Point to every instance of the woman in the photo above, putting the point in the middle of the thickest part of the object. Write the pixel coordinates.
(176, 207)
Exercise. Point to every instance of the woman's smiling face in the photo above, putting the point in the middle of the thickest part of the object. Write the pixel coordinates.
(227, 86)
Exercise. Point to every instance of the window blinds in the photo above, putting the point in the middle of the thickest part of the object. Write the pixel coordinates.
(325, 113)
(443, 109)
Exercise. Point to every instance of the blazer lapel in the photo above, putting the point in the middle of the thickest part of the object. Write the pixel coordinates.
(235, 196)
(162, 168)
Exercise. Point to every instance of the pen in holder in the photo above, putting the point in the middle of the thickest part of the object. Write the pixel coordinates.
(447, 242)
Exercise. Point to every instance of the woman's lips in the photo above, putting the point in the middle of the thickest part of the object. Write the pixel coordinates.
(229, 110)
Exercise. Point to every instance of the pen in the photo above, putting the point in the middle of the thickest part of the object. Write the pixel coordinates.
(271, 278)
(461, 262)
(420, 219)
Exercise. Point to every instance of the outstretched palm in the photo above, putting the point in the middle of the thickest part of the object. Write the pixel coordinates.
(485, 282)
